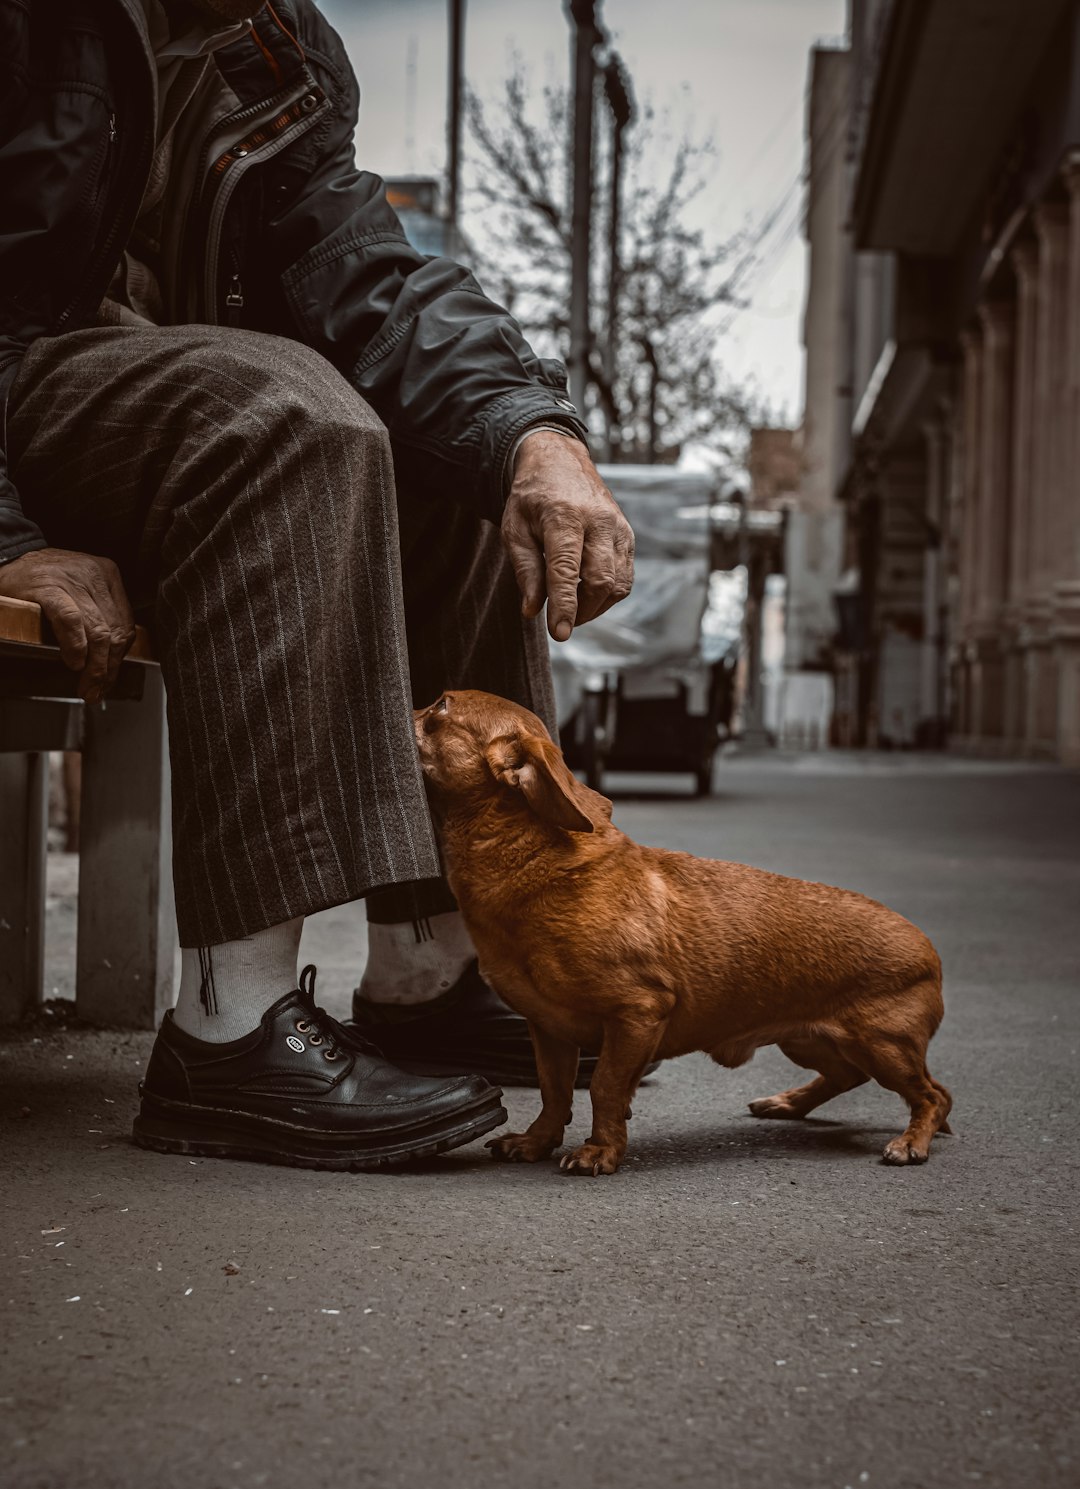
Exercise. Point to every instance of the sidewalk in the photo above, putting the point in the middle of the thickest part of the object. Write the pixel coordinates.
(743, 1305)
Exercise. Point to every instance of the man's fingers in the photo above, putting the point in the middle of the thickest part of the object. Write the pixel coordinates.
(121, 626)
(83, 599)
(95, 672)
(624, 548)
(613, 597)
(104, 630)
(119, 644)
(559, 500)
(83, 636)
(607, 570)
(68, 625)
(528, 564)
(623, 581)
(597, 581)
(122, 618)
(108, 591)
(562, 570)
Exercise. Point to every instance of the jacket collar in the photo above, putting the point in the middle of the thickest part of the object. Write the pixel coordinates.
(268, 60)
(264, 61)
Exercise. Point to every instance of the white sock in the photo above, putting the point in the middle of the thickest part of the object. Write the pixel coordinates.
(226, 989)
(416, 960)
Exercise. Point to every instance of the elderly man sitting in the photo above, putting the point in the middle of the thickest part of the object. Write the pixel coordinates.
(337, 480)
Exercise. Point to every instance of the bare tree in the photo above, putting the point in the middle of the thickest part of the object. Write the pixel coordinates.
(666, 387)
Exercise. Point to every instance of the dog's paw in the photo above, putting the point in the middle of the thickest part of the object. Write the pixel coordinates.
(520, 1147)
(591, 1158)
(902, 1150)
(773, 1106)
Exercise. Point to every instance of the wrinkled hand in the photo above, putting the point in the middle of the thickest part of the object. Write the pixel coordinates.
(83, 599)
(567, 540)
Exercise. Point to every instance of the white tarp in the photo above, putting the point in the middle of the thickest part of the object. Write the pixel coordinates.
(660, 621)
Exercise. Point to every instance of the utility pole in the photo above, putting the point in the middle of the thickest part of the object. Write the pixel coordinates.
(456, 54)
(621, 104)
(586, 36)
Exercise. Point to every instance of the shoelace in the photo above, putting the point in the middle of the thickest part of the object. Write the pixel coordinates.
(321, 1028)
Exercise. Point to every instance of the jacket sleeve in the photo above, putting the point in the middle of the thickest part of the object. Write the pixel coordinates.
(447, 370)
(18, 535)
(23, 313)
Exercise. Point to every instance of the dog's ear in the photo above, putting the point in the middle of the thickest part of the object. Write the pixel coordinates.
(534, 766)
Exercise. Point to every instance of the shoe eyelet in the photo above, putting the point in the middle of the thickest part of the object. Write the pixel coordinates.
(315, 1039)
(330, 1055)
(302, 1026)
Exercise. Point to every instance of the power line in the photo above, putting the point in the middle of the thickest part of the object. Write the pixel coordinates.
(757, 259)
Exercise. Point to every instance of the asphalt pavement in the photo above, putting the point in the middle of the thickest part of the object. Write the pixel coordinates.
(745, 1304)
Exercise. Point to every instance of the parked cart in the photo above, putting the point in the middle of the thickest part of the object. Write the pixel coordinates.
(637, 690)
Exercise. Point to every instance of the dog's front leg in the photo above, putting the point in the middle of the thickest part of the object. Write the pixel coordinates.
(557, 1063)
(629, 1045)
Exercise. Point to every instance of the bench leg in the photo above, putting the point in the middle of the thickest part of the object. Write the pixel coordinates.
(127, 924)
(24, 820)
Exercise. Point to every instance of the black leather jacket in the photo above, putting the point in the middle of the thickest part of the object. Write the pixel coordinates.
(278, 231)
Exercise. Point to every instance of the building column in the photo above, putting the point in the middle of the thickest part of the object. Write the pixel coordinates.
(1022, 492)
(1066, 622)
(954, 526)
(991, 516)
(966, 535)
(937, 433)
(1067, 536)
(1051, 476)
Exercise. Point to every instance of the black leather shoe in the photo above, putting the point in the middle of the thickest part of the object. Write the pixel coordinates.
(471, 1029)
(304, 1090)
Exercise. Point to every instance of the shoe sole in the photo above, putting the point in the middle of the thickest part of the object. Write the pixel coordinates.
(171, 1127)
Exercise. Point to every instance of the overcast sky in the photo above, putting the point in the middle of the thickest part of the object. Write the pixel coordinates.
(737, 67)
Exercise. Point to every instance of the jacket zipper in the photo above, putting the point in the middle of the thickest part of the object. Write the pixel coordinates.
(196, 209)
(234, 295)
(229, 169)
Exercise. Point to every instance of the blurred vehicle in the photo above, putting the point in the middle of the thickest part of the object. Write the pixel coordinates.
(644, 687)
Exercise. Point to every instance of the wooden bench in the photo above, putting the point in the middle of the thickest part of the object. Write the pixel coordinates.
(126, 922)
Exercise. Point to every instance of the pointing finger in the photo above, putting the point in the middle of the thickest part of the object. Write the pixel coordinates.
(562, 558)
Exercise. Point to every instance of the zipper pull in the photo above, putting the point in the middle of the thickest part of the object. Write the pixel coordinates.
(112, 129)
(235, 298)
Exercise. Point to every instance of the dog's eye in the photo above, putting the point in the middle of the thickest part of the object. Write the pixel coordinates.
(443, 704)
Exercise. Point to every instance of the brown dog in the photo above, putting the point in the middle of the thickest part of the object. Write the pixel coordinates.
(643, 954)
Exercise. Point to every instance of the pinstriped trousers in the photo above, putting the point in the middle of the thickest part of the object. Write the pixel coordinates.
(299, 608)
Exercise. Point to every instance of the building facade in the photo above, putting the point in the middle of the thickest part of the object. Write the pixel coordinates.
(958, 609)
(815, 530)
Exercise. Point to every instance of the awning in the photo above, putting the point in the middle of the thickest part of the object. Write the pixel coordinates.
(951, 80)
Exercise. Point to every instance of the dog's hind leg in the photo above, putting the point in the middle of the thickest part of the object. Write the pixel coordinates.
(893, 1053)
(943, 1125)
(813, 1053)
